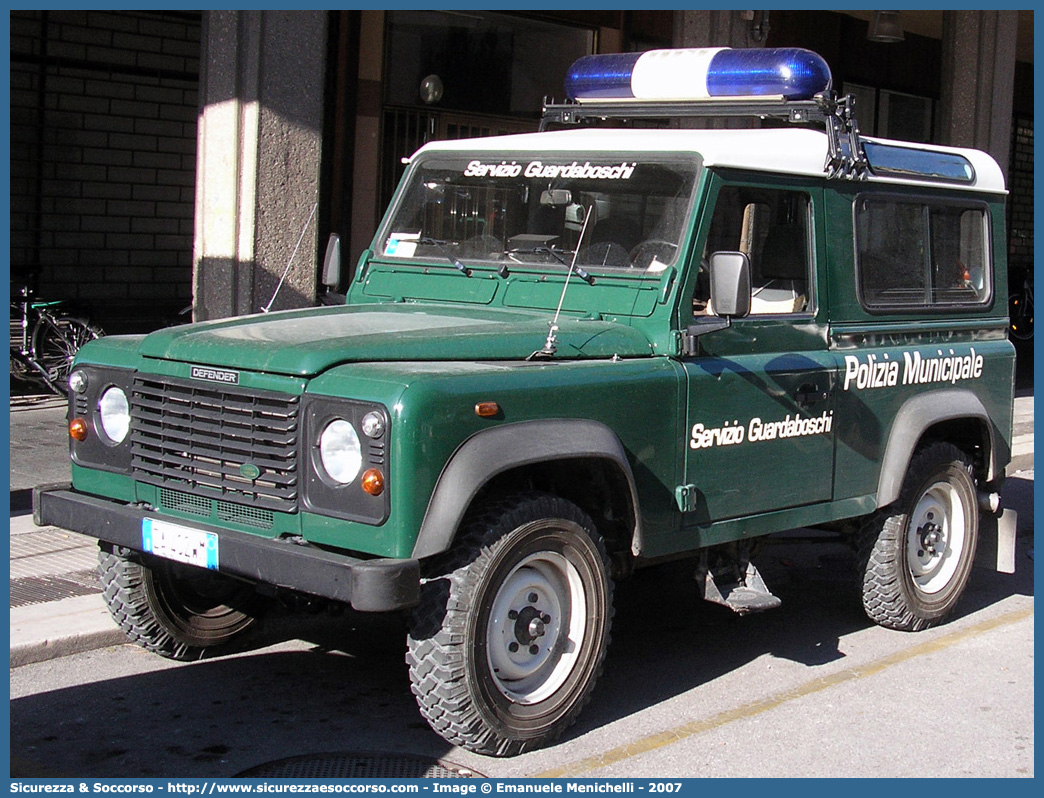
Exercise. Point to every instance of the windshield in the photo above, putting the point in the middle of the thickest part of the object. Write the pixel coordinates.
(528, 210)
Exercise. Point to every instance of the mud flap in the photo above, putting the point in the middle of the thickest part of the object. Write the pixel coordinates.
(996, 550)
(742, 596)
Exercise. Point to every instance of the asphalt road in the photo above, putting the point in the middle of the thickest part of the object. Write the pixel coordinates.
(810, 689)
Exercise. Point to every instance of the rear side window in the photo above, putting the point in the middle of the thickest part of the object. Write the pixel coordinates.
(921, 253)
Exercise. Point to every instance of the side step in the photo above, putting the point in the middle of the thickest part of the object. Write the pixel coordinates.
(742, 596)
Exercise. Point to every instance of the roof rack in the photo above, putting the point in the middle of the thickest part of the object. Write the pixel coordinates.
(846, 158)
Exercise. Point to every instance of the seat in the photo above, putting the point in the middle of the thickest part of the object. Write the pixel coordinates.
(781, 284)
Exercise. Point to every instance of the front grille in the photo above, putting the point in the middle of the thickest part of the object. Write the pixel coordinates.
(215, 510)
(209, 441)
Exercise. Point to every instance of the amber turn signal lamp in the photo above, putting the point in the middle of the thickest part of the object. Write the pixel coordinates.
(487, 409)
(78, 429)
(373, 482)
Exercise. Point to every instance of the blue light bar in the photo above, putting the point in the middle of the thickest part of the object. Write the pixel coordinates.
(699, 74)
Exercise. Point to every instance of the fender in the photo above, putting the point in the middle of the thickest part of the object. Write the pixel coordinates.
(486, 454)
(911, 422)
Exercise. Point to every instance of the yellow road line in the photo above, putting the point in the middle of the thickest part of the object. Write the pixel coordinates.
(686, 730)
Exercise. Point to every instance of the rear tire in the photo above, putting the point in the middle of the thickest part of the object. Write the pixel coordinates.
(175, 610)
(510, 637)
(915, 556)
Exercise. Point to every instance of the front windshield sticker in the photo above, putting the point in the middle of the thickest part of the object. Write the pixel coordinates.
(571, 171)
(402, 245)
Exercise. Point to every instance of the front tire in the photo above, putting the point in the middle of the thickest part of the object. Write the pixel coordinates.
(916, 555)
(176, 611)
(510, 637)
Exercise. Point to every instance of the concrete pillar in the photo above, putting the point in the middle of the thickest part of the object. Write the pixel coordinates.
(258, 160)
(716, 29)
(366, 164)
(978, 75)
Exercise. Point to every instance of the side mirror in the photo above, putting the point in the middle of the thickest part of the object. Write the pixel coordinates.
(730, 284)
(332, 263)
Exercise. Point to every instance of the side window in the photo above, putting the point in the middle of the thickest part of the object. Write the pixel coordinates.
(771, 226)
(958, 242)
(915, 254)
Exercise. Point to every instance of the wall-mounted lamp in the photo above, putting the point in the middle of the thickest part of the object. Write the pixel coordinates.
(431, 89)
(885, 27)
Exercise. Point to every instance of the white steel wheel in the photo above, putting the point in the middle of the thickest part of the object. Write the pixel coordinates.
(935, 537)
(915, 556)
(536, 627)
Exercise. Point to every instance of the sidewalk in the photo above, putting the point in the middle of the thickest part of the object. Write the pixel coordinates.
(56, 604)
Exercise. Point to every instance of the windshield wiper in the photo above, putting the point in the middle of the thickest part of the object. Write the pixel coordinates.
(571, 265)
(442, 247)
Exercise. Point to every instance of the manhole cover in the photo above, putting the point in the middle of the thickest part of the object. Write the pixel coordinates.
(360, 766)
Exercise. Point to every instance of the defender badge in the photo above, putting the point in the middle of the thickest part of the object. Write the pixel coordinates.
(215, 375)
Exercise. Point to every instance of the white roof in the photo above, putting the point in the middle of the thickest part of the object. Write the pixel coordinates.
(794, 151)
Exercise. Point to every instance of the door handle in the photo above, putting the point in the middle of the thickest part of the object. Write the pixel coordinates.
(809, 394)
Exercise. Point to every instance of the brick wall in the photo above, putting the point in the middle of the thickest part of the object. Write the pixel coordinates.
(103, 160)
(1020, 198)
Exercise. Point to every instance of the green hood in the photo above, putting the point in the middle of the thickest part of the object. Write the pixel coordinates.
(307, 342)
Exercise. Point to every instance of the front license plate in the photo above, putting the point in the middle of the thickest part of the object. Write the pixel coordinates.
(180, 543)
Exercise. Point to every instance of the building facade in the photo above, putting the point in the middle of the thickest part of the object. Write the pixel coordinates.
(165, 160)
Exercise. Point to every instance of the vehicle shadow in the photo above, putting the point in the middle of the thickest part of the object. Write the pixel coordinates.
(345, 689)
(662, 628)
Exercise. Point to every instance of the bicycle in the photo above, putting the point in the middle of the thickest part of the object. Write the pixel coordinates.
(44, 340)
(1020, 310)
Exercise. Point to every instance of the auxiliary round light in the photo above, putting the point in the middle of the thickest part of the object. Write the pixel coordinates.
(372, 425)
(78, 381)
(699, 74)
(114, 414)
(340, 451)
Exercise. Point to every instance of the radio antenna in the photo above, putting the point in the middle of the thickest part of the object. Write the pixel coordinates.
(293, 255)
(551, 344)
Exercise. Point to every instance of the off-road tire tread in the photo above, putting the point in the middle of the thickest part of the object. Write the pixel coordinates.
(123, 589)
(435, 653)
(879, 545)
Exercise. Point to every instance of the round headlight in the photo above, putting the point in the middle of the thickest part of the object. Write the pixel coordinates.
(114, 414)
(340, 451)
(373, 425)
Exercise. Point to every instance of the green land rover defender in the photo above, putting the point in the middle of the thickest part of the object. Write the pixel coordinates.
(567, 355)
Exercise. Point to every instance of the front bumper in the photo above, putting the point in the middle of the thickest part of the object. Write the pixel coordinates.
(367, 585)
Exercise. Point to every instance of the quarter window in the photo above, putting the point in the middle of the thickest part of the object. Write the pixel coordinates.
(913, 254)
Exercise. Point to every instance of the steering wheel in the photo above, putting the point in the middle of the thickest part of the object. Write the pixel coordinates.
(644, 253)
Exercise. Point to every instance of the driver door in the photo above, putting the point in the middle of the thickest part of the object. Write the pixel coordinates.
(760, 394)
